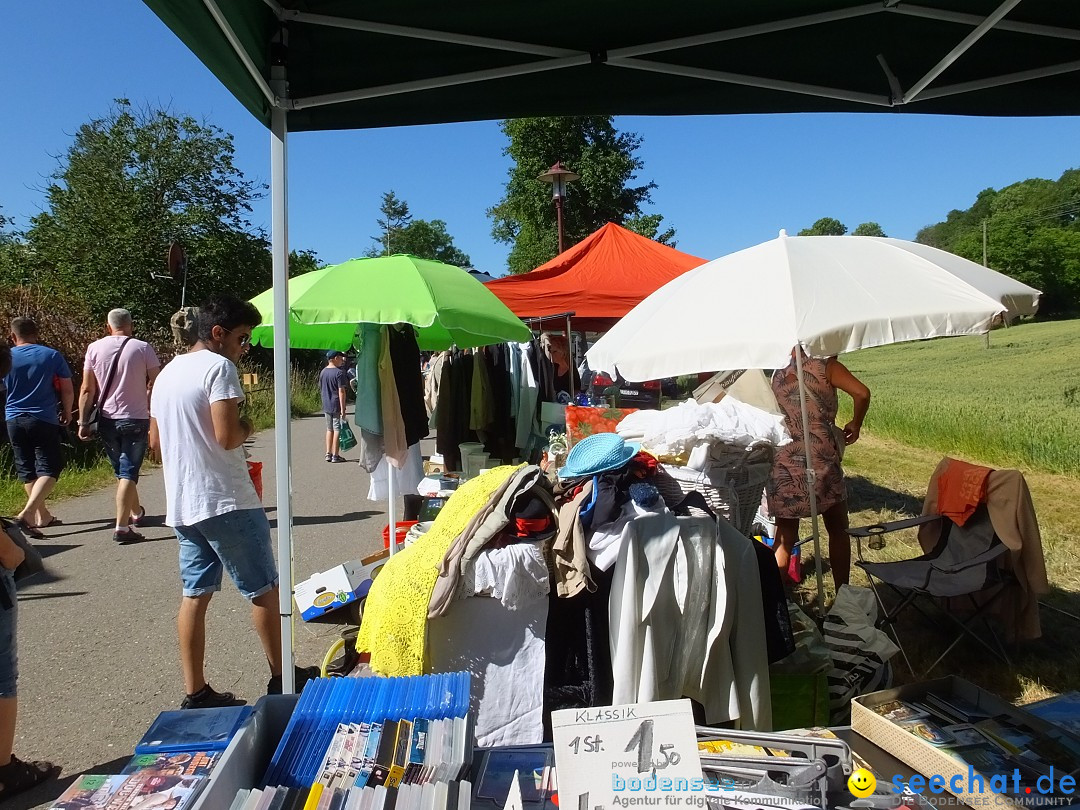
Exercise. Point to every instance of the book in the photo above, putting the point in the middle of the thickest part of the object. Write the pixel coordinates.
(88, 792)
(181, 763)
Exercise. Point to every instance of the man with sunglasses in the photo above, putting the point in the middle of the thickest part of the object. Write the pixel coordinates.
(196, 425)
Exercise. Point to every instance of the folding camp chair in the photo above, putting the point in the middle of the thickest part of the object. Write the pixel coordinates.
(963, 563)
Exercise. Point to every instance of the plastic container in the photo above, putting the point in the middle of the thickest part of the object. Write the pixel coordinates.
(469, 448)
(403, 527)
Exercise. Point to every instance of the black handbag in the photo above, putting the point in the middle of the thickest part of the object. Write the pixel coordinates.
(32, 563)
(103, 391)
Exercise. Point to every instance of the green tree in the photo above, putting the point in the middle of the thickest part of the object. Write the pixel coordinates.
(869, 229)
(1032, 234)
(826, 226)
(429, 239)
(130, 183)
(395, 217)
(608, 164)
(303, 261)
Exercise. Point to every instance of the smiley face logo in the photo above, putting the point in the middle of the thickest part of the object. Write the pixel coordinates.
(861, 783)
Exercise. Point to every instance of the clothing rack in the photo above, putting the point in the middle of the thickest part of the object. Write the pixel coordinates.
(539, 320)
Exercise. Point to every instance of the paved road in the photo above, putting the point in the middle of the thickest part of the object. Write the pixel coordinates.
(97, 633)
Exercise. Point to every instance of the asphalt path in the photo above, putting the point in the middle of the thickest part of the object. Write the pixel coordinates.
(97, 632)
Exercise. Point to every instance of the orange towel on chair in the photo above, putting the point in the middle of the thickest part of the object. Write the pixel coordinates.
(961, 488)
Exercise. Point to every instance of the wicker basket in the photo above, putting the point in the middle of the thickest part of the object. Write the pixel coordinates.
(732, 482)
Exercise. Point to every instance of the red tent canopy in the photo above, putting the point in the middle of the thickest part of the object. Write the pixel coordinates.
(599, 279)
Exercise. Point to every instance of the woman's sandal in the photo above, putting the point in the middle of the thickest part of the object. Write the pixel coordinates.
(55, 521)
(18, 777)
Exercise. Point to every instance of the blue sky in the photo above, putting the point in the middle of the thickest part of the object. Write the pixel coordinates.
(723, 182)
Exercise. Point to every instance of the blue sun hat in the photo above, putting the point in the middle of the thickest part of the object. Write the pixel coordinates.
(598, 453)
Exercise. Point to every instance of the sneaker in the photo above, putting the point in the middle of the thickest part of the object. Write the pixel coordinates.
(302, 676)
(128, 535)
(338, 459)
(137, 520)
(207, 698)
(329, 457)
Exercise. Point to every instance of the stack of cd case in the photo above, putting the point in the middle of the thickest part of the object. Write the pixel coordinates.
(372, 743)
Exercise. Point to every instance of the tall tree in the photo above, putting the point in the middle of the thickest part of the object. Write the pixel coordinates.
(395, 217)
(130, 183)
(590, 146)
(826, 226)
(869, 229)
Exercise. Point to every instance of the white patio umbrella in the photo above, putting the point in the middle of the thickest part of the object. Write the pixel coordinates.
(828, 294)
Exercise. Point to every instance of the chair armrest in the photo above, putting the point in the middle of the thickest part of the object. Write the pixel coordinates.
(987, 556)
(891, 526)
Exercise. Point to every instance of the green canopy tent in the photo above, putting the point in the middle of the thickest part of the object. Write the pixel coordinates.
(333, 64)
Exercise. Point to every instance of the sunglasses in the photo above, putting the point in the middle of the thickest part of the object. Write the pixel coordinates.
(245, 340)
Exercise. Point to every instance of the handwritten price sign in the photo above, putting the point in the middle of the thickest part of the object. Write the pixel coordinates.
(642, 755)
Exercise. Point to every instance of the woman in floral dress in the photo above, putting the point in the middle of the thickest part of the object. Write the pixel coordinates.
(787, 491)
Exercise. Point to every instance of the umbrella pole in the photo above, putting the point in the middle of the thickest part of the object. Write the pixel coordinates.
(391, 520)
(811, 483)
(282, 410)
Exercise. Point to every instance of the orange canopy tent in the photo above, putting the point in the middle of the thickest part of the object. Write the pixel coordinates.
(599, 279)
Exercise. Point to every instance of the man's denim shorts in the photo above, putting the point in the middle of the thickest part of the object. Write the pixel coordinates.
(9, 609)
(333, 421)
(238, 542)
(125, 444)
(36, 446)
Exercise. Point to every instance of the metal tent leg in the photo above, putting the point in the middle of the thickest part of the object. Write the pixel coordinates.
(279, 236)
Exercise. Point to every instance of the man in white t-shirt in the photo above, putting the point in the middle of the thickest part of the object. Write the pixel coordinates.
(196, 425)
(128, 366)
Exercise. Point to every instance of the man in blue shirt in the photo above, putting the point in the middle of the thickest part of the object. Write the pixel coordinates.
(39, 400)
(332, 383)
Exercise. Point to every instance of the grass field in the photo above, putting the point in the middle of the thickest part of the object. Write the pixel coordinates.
(1016, 403)
(88, 469)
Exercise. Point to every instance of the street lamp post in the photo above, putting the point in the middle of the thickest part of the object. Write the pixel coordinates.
(559, 177)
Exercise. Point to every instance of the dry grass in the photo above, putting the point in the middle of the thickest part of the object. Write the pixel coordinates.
(887, 481)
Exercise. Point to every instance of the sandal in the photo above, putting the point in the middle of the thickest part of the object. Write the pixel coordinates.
(17, 776)
(54, 522)
(29, 530)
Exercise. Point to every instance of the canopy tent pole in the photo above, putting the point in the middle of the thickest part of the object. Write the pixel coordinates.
(570, 357)
(811, 482)
(279, 240)
(391, 507)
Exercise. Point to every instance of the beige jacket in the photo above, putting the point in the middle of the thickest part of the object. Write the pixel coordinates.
(1012, 513)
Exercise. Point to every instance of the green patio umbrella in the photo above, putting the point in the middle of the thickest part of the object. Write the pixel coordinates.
(447, 306)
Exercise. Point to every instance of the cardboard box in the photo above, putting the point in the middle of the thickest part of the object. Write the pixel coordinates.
(929, 760)
(340, 586)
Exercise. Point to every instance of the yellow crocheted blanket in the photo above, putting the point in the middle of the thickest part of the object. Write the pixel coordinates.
(394, 624)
